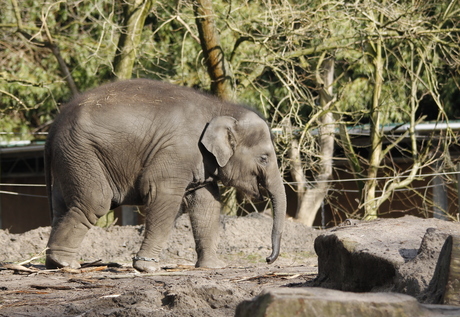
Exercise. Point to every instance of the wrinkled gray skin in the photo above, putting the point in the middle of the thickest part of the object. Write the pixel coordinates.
(143, 142)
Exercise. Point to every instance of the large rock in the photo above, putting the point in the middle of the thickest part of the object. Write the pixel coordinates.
(331, 303)
(399, 255)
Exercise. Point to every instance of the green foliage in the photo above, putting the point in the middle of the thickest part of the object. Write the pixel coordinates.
(253, 34)
(31, 84)
(107, 220)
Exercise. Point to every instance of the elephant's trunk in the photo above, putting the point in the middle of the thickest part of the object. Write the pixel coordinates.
(275, 188)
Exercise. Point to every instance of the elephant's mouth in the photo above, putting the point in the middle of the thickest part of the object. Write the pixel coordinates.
(254, 192)
(253, 188)
(258, 192)
(254, 196)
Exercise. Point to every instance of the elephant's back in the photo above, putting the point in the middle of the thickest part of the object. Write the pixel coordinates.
(130, 109)
(125, 102)
(139, 93)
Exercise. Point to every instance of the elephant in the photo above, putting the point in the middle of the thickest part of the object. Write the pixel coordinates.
(162, 146)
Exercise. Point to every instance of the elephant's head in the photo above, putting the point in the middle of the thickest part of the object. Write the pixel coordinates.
(247, 161)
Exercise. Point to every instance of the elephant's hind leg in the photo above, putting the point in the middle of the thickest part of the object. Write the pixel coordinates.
(65, 239)
(71, 226)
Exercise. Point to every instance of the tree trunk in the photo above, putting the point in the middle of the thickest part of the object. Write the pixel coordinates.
(212, 51)
(135, 13)
(297, 173)
(370, 201)
(218, 71)
(310, 199)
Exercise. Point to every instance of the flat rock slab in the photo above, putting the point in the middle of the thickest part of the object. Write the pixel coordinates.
(397, 255)
(331, 303)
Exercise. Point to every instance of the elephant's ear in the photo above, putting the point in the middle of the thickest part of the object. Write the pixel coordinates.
(219, 138)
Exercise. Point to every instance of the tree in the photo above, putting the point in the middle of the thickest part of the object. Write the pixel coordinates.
(54, 54)
(371, 42)
(393, 62)
(213, 53)
(311, 198)
(134, 14)
(49, 43)
(390, 43)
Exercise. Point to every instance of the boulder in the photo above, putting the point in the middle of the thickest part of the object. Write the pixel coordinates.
(312, 301)
(398, 255)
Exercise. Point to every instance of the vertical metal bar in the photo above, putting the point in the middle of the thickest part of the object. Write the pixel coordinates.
(440, 207)
(128, 216)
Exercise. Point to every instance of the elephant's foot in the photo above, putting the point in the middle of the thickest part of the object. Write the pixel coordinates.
(56, 260)
(212, 263)
(146, 265)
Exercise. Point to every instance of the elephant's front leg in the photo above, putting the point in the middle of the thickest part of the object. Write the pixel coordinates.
(160, 217)
(204, 208)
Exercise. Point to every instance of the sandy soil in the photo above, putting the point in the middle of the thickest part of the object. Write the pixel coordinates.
(111, 287)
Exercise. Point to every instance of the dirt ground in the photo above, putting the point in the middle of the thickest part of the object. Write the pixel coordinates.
(109, 286)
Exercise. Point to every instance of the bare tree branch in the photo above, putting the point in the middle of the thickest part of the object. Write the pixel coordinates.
(66, 74)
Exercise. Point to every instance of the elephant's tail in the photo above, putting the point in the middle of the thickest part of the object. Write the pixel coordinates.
(48, 175)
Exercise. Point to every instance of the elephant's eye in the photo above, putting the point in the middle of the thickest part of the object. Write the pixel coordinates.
(263, 160)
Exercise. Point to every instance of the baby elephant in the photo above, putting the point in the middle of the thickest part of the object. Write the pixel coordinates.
(144, 142)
